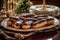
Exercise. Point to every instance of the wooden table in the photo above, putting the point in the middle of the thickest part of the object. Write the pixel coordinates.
(54, 35)
(46, 36)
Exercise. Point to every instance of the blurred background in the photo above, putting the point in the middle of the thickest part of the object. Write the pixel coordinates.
(51, 2)
(1, 4)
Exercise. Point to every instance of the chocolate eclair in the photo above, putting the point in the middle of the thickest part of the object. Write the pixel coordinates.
(18, 24)
(39, 24)
(27, 25)
(50, 21)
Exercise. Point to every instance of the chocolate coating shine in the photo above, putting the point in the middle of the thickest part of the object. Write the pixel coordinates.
(28, 23)
(28, 18)
(18, 23)
(39, 21)
(27, 15)
(14, 18)
(44, 15)
(48, 19)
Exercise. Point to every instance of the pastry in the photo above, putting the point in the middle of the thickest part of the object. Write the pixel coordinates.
(27, 25)
(18, 24)
(39, 24)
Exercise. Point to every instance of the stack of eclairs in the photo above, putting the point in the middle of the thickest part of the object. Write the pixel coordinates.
(30, 21)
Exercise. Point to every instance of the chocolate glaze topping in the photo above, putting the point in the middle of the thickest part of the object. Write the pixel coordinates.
(28, 23)
(44, 15)
(27, 15)
(14, 18)
(39, 18)
(18, 23)
(22, 18)
(39, 21)
(48, 19)
(28, 18)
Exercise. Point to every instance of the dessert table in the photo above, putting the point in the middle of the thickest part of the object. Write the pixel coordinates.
(44, 36)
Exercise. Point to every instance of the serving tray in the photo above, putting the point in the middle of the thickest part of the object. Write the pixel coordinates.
(4, 24)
